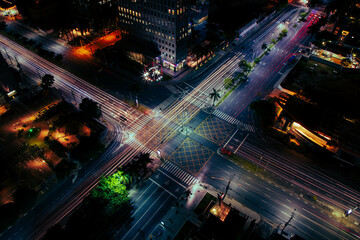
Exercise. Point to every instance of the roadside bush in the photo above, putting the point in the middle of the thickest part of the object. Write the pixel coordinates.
(64, 168)
(56, 147)
(8, 213)
(3, 25)
(87, 149)
(58, 57)
(25, 198)
(265, 111)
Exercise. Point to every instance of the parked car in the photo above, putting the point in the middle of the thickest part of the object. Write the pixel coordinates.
(158, 231)
(226, 151)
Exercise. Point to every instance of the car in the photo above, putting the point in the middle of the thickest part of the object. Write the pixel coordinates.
(226, 151)
(158, 231)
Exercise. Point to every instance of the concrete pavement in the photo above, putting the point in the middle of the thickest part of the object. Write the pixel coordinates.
(175, 218)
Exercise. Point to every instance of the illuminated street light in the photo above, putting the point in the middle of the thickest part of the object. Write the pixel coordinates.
(350, 211)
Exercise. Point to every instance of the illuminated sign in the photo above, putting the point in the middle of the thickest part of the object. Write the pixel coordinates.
(12, 93)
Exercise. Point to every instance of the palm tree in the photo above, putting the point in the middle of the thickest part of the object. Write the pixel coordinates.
(132, 171)
(142, 160)
(214, 95)
(123, 177)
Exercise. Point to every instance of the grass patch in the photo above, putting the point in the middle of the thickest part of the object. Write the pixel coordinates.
(244, 163)
(204, 203)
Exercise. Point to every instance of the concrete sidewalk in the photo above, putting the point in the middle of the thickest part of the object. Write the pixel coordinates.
(176, 217)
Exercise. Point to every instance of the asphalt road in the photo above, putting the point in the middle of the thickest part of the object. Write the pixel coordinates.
(260, 80)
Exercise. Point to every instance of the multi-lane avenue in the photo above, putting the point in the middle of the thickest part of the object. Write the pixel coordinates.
(181, 124)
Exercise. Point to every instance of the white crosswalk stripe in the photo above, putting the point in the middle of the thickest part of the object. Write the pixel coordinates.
(177, 172)
(230, 119)
(13, 146)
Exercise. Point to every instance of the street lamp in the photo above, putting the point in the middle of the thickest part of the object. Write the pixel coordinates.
(350, 211)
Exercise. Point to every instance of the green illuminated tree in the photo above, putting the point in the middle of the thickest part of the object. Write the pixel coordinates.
(214, 95)
(112, 193)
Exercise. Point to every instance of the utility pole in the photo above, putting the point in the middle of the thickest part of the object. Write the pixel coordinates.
(221, 197)
(38, 73)
(287, 223)
(7, 54)
(18, 64)
(73, 94)
(259, 163)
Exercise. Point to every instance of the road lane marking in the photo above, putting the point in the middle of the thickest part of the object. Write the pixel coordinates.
(152, 216)
(163, 188)
(241, 143)
(143, 214)
(172, 178)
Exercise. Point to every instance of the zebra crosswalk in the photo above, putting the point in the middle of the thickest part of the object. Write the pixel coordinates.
(12, 147)
(179, 173)
(230, 119)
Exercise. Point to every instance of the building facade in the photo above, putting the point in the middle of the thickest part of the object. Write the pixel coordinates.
(163, 22)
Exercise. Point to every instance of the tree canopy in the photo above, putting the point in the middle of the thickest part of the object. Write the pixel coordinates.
(228, 82)
(214, 95)
(265, 111)
(47, 81)
(112, 192)
(245, 66)
(136, 168)
(90, 108)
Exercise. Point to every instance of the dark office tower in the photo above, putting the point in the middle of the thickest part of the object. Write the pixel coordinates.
(163, 22)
